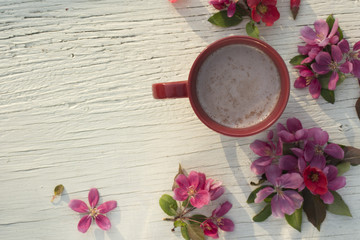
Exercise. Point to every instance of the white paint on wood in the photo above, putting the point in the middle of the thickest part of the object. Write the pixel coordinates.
(76, 108)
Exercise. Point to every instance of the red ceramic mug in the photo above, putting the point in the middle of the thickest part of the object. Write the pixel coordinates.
(190, 88)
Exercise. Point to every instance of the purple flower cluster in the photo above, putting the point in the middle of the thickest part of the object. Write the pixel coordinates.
(198, 191)
(326, 53)
(303, 166)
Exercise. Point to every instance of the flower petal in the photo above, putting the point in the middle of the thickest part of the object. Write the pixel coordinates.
(356, 46)
(107, 206)
(202, 180)
(328, 198)
(210, 229)
(222, 209)
(321, 27)
(200, 199)
(336, 53)
(259, 165)
(337, 183)
(346, 67)
(288, 162)
(231, 9)
(356, 68)
(293, 124)
(193, 179)
(298, 152)
(271, 15)
(253, 3)
(290, 180)
(296, 199)
(315, 88)
(334, 78)
(323, 58)
(344, 46)
(215, 194)
(260, 148)
(226, 225)
(300, 82)
(93, 197)
(334, 28)
(255, 16)
(320, 69)
(263, 193)
(84, 223)
(308, 33)
(180, 194)
(320, 137)
(318, 161)
(182, 181)
(272, 173)
(277, 203)
(103, 222)
(334, 150)
(78, 206)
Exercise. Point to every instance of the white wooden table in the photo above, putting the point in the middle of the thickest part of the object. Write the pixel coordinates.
(76, 108)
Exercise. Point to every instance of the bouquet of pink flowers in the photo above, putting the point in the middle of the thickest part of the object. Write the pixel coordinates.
(300, 170)
(192, 192)
(325, 59)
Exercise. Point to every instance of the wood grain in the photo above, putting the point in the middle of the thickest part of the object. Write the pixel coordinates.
(76, 108)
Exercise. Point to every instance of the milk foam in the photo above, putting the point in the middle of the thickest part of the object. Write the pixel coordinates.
(238, 86)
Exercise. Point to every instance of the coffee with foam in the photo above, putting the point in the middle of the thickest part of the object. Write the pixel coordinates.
(238, 86)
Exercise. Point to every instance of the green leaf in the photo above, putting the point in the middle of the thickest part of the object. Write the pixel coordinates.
(338, 207)
(269, 198)
(252, 195)
(168, 205)
(297, 59)
(328, 95)
(184, 232)
(58, 190)
(314, 208)
(222, 20)
(252, 30)
(195, 232)
(263, 214)
(295, 219)
(343, 167)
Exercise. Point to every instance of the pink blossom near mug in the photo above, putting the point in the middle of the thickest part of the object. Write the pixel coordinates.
(238, 86)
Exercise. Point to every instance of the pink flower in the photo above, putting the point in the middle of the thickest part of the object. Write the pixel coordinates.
(314, 148)
(352, 56)
(267, 152)
(326, 63)
(193, 187)
(285, 201)
(308, 78)
(321, 35)
(310, 50)
(92, 212)
(172, 1)
(223, 4)
(264, 10)
(294, 132)
(315, 180)
(210, 226)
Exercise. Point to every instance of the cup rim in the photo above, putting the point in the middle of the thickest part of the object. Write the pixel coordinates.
(284, 83)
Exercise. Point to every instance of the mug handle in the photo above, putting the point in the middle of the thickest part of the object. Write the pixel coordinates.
(170, 90)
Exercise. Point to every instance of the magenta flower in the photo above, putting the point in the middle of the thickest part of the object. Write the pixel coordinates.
(352, 56)
(284, 201)
(210, 226)
(321, 35)
(326, 63)
(214, 188)
(294, 132)
(308, 78)
(93, 212)
(335, 182)
(193, 187)
(314, 148)
(267, 152)
(223, 4)
(264, 10)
